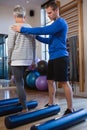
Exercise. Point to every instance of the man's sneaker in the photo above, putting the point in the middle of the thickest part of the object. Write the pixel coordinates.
(18, 104)
(47, 105)
(68, 111)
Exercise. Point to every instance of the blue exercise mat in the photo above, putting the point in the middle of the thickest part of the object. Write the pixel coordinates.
(63, 122)
(8, 101)
(17, 107)
(13, 121)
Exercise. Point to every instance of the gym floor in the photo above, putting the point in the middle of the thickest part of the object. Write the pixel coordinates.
(42, 98)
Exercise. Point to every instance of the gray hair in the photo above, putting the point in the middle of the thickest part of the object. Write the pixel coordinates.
(19, 11)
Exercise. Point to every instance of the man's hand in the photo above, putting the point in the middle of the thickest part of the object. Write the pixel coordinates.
(16, 28)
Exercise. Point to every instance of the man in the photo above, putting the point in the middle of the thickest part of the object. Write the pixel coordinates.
(21, 53)
(58, 55)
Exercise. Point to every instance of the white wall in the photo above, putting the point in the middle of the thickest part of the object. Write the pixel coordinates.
(6, 19)
(35, 21)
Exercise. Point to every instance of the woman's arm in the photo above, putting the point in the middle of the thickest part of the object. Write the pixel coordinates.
(10, 43)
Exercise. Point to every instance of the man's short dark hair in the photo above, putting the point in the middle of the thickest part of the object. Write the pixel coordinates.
(52, 4)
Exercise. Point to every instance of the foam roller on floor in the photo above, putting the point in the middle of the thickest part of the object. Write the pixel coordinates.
(8, 101)
(21, 119)
(63, 122)
(17, 107)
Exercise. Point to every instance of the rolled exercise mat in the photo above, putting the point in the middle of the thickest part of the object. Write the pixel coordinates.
(14, 108)
(8, 101)
(63, 122)
(13, 121)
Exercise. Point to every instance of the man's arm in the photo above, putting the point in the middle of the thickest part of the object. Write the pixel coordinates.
(51, 29)
(47, 30)
(45, 40)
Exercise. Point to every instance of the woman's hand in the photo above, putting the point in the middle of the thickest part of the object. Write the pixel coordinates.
(16, 28)
(33, 66)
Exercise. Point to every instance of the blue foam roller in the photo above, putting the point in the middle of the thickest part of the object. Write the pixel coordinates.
(8, 101)
(13, 108)
(13, 121)
(63, 122)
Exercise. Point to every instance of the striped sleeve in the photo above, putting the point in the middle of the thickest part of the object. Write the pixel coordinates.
(10, 43)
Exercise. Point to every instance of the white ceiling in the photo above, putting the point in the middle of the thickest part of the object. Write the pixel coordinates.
(27, 3)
